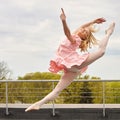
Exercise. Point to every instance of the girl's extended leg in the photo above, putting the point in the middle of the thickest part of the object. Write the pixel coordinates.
(65, 80)
(101, 50)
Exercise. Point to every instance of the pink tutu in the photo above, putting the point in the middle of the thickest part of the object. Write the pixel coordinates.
(67, 56)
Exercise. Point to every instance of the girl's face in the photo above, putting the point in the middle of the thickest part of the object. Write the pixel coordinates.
(84, 33)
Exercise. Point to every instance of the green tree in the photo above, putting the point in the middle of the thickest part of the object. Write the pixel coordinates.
(112, 92)
(40, 76)
(36, 90)
(86, 93)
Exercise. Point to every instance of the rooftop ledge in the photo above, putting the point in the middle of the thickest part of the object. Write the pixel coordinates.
(2, 105)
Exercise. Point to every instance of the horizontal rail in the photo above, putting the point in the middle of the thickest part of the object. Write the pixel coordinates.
(76, 80)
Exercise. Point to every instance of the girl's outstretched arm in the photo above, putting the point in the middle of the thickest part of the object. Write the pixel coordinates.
(97, 21)
(65, 27)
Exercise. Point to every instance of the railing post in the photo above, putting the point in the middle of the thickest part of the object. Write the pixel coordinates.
(6, 89)
(103, 90)
(53, 112)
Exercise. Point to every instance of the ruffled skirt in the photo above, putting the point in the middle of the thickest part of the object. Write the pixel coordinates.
(64, 63)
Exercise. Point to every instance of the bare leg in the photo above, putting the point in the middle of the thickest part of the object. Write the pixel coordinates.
(65, 80)
(102, 47)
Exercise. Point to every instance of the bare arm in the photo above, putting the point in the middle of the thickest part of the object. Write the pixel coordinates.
(65, 27)
(98, 21)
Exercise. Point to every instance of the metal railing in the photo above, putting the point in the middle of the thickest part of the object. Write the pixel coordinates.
(11, 90)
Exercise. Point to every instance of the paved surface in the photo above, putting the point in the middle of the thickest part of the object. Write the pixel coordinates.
(61, 114)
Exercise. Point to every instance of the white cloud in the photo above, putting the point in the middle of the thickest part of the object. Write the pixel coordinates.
(107, 67)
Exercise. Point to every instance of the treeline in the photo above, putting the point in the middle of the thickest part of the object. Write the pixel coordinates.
(77, 92)
(40, 76)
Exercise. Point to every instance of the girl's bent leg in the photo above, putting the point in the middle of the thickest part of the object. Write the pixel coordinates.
(65, 80)
(101, 50)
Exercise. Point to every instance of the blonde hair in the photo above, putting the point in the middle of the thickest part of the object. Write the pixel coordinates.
(90, 40)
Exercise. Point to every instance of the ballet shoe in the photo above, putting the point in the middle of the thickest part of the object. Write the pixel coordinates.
(34, 106)
(110, 30)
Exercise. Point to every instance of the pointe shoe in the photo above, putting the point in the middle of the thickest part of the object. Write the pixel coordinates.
(32, 107)
(110, 30)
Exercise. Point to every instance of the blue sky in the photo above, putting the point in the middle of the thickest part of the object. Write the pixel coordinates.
(31, 30)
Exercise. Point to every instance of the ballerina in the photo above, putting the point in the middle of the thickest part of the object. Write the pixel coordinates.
(67, 58)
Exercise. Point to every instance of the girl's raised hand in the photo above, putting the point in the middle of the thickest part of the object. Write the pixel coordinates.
(62, 16)
(99, 20)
